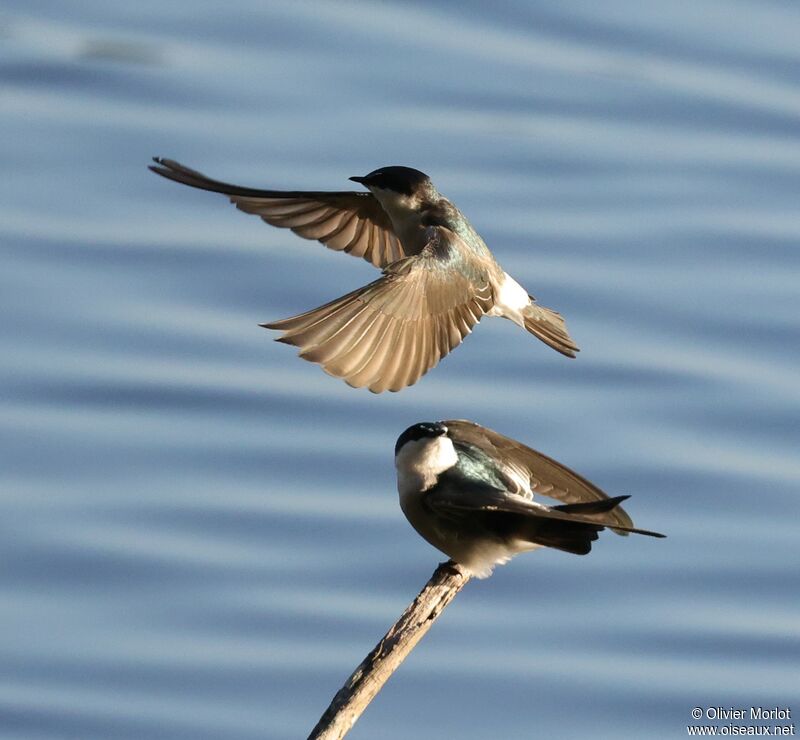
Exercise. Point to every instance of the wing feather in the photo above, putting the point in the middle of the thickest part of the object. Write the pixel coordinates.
(527, 471)
(352, 222)
(388, 334)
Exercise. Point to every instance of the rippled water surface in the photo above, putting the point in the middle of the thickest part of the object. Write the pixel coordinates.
(200, 533)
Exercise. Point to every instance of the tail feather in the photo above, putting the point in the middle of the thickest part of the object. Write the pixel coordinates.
(576, 527)
(593, 511)
(550, 327)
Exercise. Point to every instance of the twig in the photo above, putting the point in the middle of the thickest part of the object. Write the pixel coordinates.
(368, 679)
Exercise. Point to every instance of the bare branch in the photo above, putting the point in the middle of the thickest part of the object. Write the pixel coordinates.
(368, 679)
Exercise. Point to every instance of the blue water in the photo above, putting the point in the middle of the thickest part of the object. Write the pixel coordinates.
(200, 533)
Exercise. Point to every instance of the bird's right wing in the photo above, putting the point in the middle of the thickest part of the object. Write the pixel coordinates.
(526, 468)
(389, 333)
(352, 222)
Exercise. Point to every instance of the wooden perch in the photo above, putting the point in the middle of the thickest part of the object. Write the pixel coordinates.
(368, 679)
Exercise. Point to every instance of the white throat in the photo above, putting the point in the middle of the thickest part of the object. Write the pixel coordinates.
(420, 462)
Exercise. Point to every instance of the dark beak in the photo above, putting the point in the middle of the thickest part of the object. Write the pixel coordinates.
(357, 179)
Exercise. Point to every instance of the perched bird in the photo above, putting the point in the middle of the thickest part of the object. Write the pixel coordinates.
(469, 492)
(439, 278)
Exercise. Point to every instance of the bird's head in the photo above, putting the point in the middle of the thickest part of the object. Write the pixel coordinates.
(422, 431)
(396, 179)
(398, 188)
(422, 453)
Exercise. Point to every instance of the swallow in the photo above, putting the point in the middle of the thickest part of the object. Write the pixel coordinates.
(469, 492)
(439, 277)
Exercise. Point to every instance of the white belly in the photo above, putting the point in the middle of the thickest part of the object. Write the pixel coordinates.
(479, 557)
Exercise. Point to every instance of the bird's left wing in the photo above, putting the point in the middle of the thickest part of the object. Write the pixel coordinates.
(526, 470)
(389, 333)
(352, 222)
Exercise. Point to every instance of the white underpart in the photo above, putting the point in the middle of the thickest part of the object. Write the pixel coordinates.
(419, 464)
(483, 556)
(511, 299)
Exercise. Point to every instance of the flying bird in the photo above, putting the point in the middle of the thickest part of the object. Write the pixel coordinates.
(439, 277)
(469, 492)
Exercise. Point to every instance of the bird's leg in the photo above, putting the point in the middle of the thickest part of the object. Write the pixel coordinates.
(455, 568)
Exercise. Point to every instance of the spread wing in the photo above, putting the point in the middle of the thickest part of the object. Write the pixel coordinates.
(389, 333)
(352, 222)
(525, 470)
